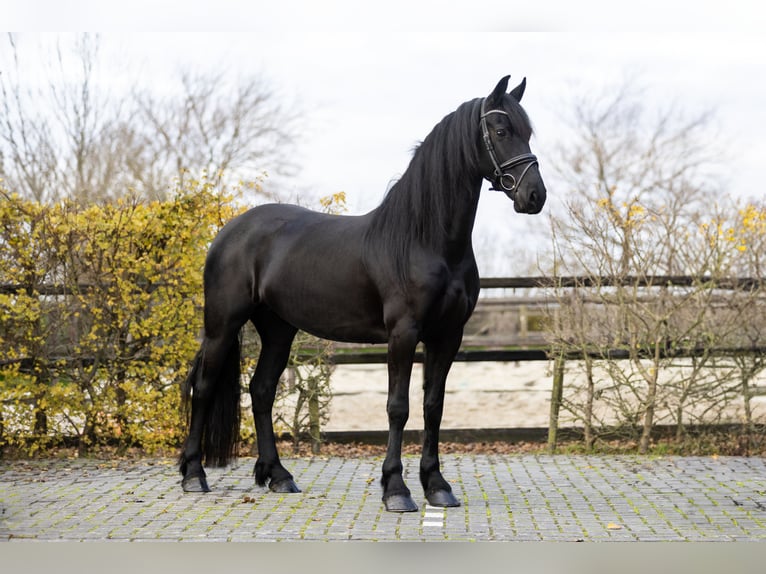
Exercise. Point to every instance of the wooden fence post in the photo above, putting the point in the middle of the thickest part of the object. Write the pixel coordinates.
(315, 431)
(523, 324)
(556, 394)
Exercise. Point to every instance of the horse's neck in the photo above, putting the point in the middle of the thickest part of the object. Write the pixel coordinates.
(446, 184)
(437, 215)
(451, 202)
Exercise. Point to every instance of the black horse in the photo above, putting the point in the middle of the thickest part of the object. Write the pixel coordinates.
(402, 274)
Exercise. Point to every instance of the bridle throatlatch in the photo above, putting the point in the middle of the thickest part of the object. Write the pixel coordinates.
(508, 182)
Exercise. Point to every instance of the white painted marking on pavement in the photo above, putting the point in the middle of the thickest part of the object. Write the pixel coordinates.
(433, 517)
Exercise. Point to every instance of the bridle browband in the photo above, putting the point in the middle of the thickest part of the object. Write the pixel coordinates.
(508, 182)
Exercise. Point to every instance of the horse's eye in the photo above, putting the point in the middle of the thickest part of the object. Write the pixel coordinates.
(500, 133)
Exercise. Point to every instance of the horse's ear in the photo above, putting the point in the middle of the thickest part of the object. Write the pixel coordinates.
(495, 99)
(518, 91)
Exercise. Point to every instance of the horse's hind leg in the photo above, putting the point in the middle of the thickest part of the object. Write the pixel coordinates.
(276, 339)
(214, 385)
(214, 423)
(438, 360)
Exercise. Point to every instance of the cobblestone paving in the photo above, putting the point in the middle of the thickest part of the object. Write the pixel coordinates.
(510, 498)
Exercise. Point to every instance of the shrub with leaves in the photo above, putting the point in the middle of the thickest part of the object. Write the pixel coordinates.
(97, 315)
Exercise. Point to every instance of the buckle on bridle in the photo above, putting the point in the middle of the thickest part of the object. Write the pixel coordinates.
(503, 187)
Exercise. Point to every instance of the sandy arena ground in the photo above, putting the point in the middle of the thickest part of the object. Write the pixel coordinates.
(479, 395)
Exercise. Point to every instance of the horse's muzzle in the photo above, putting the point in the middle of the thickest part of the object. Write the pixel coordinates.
(529, 200)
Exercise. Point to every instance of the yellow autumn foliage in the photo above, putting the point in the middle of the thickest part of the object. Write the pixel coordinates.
(100, 313)
(739, 240)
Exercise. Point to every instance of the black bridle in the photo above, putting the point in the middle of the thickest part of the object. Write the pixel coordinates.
(508, 182)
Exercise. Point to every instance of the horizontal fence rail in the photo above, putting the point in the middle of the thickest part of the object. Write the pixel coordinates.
(734, 283)
(532, 282)
(379, 357)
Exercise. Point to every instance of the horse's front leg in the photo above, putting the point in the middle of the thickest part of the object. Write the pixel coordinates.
(401, 350)
(439, 356)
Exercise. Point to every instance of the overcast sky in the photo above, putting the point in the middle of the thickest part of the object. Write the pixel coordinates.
(374, 83)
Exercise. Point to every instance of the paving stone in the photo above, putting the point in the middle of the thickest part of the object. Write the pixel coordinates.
(515, 497)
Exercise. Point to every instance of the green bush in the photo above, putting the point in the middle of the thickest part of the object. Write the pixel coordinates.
(97, 322)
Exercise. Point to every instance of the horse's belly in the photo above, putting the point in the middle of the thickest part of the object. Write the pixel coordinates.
(337, 324)
(346, 311)
(367, 334)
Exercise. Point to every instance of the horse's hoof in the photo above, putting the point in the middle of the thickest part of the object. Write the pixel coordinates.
(286, 485)
(195, 483)
(442, 498)
(400, 503)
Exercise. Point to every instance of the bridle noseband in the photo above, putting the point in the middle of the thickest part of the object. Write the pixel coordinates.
(508, 182)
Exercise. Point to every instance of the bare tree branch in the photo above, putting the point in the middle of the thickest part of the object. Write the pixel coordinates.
(75, 138)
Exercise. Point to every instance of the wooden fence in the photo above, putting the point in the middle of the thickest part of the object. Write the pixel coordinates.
(524, 342)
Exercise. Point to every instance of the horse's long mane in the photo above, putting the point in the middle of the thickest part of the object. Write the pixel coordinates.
(418, 206)
(444, 167)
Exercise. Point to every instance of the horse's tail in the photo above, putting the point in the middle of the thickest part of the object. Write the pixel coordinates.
(220, 429)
